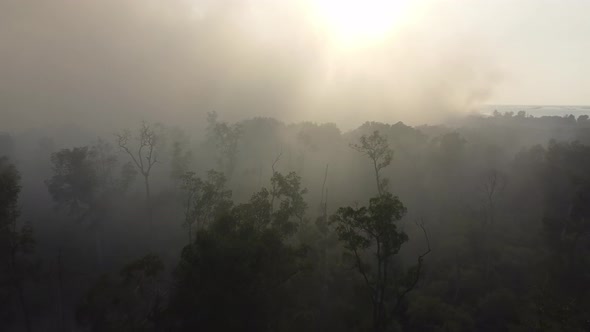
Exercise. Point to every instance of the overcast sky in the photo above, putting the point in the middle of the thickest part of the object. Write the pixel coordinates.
(112, 62)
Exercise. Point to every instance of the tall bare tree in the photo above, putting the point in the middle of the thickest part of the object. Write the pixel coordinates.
(144, 158)
(493, 183)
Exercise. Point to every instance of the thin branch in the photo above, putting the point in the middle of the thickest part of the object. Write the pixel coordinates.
(362, 271)
(323, 189)
(140, 158)
(277, 159)
(418, 270)
(122, 142)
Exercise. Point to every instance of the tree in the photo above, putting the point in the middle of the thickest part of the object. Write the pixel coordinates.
(560, 192)
(144, 159)
(288, 190)
(84, 178)
(84, 183)
(374, 229)
(73, 183)
(371, 233)
(492, 185)
(233, 276)
(224, 137)
(14, 242)
(181, 160)
(205, 200)
(562, 299)
(260, 211)
(191, 187)
(377, 149)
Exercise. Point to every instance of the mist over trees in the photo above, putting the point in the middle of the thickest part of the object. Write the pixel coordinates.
(260, 225)
(242, 165)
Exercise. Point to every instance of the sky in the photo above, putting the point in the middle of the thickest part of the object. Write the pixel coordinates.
(117, 62)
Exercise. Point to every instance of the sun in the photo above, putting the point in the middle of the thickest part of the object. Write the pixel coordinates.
(354, 22)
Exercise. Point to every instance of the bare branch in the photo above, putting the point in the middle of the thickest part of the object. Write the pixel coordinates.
(146, 139)
(123, 140)
(359, 265)
(277, 159)
(403, 294)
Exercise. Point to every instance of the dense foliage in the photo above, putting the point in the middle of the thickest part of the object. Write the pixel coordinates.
(482, 225)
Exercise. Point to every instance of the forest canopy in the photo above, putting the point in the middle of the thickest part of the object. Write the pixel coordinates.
(263, 225)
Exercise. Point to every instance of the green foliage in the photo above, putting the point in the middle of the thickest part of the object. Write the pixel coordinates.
(510, 236)
(205, 200)
(377, 149)
(364, 227)
(260, 213)
(287, 189)
(372, 231)
(232, 277)
(84, 178)
(257, 212)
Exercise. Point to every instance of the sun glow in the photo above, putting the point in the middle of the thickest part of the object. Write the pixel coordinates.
(354, 22)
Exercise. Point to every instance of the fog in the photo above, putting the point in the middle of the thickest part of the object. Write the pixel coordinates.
(259, 165)
(91, 63)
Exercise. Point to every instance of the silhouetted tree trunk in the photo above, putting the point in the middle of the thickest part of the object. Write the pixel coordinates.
(379, 189)
(493, 184)
(148, 200)
(144, 163)
(274, 189)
